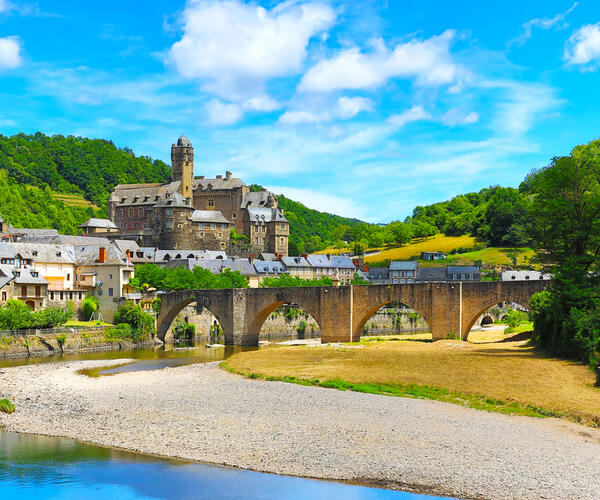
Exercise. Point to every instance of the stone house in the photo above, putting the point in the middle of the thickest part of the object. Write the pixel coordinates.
(104, 272)
(297, 266)
(343, 269)
(447, 274)
(159, 214)
(320, 265)
(523, 276)
(401, 272)
(100, 226)
(464, 273)
(378, 275)
(433, 256)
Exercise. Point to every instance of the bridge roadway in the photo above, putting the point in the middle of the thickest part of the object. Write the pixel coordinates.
(342, 311)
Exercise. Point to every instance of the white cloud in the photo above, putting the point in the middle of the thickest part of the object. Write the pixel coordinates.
(583, 46)
(296, 117)
(222, 113)
(261, 103)
(10, 52)
(348, 107)
(545, 23)
(428, 62)
(457, 116)
(235, 47)
(414, 114)
(324, 201)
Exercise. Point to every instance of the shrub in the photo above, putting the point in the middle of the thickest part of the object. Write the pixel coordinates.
(513, 319)
(301, 328)
(141, 323)
(6, 406)
(61, 339)
(89, 306)
(184, 331)
(121, 331)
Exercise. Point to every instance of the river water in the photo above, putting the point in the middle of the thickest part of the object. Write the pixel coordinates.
(44, 467)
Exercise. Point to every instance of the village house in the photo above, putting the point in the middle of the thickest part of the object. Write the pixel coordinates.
(433, 256)
(524, 276)
(297, 266)
(401, 272)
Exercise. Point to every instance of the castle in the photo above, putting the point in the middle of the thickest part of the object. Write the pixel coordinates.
(196, 213)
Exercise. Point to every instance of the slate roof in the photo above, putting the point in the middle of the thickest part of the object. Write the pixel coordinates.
(318, 260)
(295, 262)
(378, 273)
(39, 252)
(209, 216)
(183, 141)
(431, 274)
(159, 255)
(89, 255)
(126, 245)
(175, 199)
(222, 183)
(33, 233)
(26, 278)
(523, 276)
(242, 265)
(256, 199)
(269, 267)
(65, 239)
(341, 262)
(462, 269)
(142, 194)
(403, 265)
(100, 223)
(265, 215)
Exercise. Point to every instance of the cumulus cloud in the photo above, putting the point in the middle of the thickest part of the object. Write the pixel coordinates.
(348, 107)
(235, 47)
(10, 52)
(345, 108)
(414, 114)
(457, 116)
(428, 62)
(557, 22)
(222, 113)
(583, 46)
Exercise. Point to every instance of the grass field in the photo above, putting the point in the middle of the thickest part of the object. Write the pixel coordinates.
(438, 243)
(86, 323)
(74, 200)
(508, 374)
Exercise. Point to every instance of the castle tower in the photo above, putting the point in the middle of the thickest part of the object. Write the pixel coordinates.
(182, 165)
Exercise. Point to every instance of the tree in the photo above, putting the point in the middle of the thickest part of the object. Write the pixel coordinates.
(565, 227)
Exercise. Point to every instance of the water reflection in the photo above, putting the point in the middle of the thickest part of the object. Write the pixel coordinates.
(42, 467)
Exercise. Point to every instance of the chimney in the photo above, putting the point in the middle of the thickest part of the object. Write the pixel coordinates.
(102, 255)
(200, 177)
(219, 176)
(251, 258)
(228, 175)
(305, 255)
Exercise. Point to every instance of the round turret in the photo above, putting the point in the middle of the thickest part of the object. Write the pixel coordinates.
(183, 141)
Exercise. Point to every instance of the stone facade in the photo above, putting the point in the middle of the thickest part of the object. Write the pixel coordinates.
(166, 215)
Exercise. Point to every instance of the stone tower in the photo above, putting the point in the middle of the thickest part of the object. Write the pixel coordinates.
(182, 165)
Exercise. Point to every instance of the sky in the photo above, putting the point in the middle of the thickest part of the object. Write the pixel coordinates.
(361, 108)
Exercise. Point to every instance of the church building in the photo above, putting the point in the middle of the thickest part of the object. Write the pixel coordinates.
(198, 213)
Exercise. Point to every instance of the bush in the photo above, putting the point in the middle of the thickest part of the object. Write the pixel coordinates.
(6, 406)
(184, 331)
(513, 319)
(121, 331)
(89, 306)
(301, 328)
(16, 315)
(141, 323)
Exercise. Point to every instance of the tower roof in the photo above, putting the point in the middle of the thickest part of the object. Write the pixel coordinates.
(183, 141)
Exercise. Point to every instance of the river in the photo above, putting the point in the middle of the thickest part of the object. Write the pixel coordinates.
(45, 467)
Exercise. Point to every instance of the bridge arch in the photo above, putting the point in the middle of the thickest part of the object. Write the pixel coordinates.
(173, 303)
(393, 318)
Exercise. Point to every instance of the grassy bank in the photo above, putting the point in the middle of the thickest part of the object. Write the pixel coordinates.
(508, 376)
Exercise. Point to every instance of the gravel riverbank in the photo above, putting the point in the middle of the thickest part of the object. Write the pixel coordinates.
(200, 412)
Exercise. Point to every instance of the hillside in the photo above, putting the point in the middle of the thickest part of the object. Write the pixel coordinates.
(91, 167)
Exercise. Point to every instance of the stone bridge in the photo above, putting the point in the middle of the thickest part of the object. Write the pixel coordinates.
(341, 312)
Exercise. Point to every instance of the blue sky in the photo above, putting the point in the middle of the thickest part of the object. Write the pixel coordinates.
(364, 109)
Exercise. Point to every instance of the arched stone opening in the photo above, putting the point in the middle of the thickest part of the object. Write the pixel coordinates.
(261, 317)
(207, 323)
(488, 316)
(289, 321)
(393, 318)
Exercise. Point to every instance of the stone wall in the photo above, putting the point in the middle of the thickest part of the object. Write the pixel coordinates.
(46, 344)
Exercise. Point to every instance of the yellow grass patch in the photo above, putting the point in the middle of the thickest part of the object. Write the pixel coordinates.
(512, 370)
(438, 243)
(74, 200)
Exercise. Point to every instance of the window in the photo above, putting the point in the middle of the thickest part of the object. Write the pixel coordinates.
(4, 296)
(234, 215)
(409, 281)
(470, 276)
(222, 246)
(402, 282)
(513, 277)
(131, 212)
(462, 276)
(220, 235)
(395, 274)
(223, 226)
(23, 291)
(213, 226)
(68, 276)
(211, 203)
(110, 292)
(110, 276)
(169, 212)
(256, 240)
(169, 224)
(62, 295)
(282, 241)
(395, 282)
(201, 234)
(140, 211)
(527, 277)
(35, 274)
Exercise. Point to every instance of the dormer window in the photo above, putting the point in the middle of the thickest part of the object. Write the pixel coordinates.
(135, 199)
(122, 200)
(145, 198)
(178, 256)
(167, 257)
(34, 274)
(16, 274)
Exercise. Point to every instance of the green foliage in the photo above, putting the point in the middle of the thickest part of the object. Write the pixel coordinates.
(287, 280)
(357, 280)
(238, 237)
(16, 315)
(6, 406)
(76, 165)
(61, 339)
(301, 328)
(565, 226)
(180, 278)
(311, 230)
(89, 306)
(183, 330)
(156, 303)
(513, 319)
(141, 323)
(121, 331)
